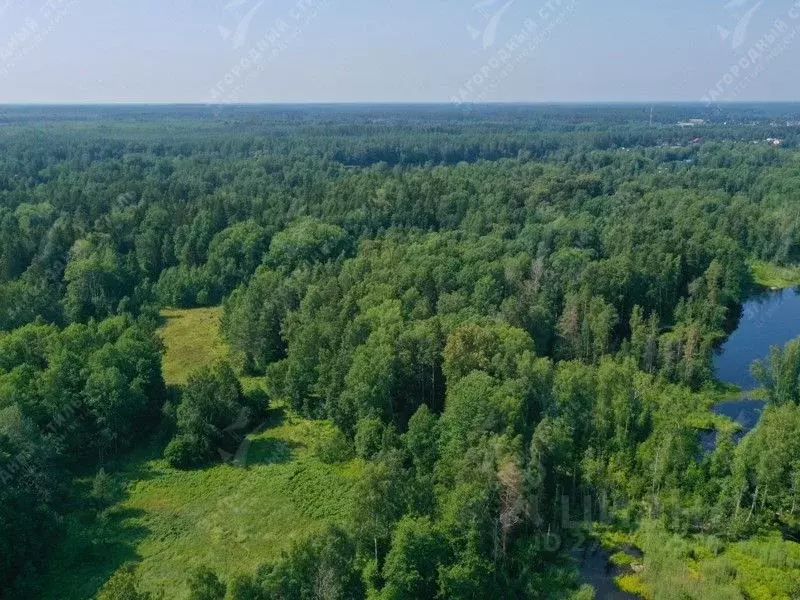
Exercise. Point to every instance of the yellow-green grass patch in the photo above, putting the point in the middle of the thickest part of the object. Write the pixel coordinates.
(774, 276)
(191, 339)
(703, 566)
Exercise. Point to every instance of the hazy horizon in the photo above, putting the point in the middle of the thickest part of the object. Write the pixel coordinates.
(409, 103)
(69, 52)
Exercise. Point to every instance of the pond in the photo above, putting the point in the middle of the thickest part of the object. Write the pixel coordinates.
(745, 412)
(769, 319)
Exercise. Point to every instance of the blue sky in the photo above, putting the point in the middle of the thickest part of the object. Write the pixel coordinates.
(396, 50)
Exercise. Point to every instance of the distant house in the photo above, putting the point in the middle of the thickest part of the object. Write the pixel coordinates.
(691, 123)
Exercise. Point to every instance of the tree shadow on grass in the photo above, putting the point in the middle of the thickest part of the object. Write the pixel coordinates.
(269, 451)
(140, 464)
(94, 546)
(100, 534)
(276, 417)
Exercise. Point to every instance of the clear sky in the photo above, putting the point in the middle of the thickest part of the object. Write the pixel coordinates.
(65, 51)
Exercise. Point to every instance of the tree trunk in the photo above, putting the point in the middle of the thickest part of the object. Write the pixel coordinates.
(752, 505)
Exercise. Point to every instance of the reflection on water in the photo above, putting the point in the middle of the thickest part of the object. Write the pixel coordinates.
(769, 319)
(598, 570)
(746, 413)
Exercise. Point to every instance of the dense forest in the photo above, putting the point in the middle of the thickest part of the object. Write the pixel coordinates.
(506, 315)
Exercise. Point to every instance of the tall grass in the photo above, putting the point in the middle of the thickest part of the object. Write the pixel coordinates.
(232, 518)
(703, 567)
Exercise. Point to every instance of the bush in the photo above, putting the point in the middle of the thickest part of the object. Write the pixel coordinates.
(105, 488)
(244, 588)
(586, 592)
(212, 404)
(369, 437)
(321, 566)
(257, 402)
(188, 451)
(204, 585)
(335, 448)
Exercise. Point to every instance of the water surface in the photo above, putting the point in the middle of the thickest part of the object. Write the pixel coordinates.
(746, 413)
(597, 570)
(769, 319)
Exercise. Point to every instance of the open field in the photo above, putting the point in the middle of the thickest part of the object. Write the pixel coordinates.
(231, 518)
(192, 340)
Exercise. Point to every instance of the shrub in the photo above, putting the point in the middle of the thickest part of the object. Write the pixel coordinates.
(369, 437)
(105, 488)
(335, 448)
(204, 585)
(211, 406)
(188, 451)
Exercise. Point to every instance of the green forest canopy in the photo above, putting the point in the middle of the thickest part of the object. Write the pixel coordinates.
(507, 314)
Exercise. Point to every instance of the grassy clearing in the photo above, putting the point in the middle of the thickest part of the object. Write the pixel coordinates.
(773, 276)
(240, 516)
(232, 518)
(705, 420)
(192, 340)
(769, 567)
(632, 584)
(702, 566)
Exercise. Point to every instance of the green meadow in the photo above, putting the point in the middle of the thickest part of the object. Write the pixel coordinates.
(764, 567)
(231, 518)
(191, 340)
